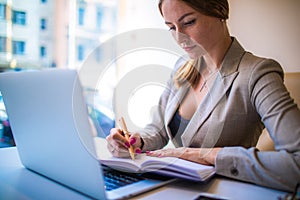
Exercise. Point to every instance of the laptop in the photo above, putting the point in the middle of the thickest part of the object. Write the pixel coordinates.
(49, 121)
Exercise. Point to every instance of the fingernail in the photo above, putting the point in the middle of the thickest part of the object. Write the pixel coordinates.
(132, 141)
(127, 144)
(138, 151)
(148, 153)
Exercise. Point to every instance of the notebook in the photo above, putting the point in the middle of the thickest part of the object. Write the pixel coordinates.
(49, 121)
(167, 166)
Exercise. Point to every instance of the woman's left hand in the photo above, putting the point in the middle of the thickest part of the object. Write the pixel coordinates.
(205, 156)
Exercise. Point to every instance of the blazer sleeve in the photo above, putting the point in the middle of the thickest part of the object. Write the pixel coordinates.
(278, 169)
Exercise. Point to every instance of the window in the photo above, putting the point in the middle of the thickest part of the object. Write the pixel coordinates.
(2, 44)
(80, 52)
(2, 11)
(43, 52)
(18, 47)
(79, 32)
(99, 17)
(19, 17)
(43, 25)
(81, 12)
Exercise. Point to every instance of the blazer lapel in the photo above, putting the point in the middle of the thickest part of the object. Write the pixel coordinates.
(223, 81)
(218, 90)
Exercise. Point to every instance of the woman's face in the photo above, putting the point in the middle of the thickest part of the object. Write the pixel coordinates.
(192, 30)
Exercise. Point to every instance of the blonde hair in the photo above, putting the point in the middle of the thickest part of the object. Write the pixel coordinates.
(188, 73)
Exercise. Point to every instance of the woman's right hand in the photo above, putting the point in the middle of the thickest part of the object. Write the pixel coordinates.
(119, 146)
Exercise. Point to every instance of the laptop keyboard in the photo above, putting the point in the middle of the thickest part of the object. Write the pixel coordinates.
(114, 179)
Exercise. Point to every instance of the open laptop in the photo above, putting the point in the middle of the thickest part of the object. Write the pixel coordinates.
(49, 121)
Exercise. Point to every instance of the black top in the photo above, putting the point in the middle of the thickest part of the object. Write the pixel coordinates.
(177, 126)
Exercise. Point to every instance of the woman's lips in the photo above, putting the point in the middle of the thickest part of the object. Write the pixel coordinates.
(189, 48)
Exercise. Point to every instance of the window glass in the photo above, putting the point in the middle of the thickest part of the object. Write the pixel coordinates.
(2, 44)
(51, 37)
(18, 47)
(2, 11)
(69, 34)
(43, 52)
(43, 24)
(19, 17)
(6, 137)
(99, 16)
(80, 52)
(81, 12)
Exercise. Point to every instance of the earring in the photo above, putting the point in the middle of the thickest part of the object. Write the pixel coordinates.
(222, 20)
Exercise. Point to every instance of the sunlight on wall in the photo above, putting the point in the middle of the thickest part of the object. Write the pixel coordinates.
(142, 103)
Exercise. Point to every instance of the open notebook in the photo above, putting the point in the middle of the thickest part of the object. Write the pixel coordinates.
(169, 166)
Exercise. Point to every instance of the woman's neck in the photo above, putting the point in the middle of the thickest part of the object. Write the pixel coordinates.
(216, 55)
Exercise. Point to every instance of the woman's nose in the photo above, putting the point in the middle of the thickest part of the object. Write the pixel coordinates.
(180, 37)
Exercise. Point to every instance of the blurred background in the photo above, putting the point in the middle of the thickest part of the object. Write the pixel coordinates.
(39, 34)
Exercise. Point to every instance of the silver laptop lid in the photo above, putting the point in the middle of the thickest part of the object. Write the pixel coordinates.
(44, 108)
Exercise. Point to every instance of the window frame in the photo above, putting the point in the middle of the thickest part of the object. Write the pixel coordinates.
(18, 47)
(19, 17)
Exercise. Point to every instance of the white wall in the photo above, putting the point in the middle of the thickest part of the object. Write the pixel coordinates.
(269, 28)
(137, 14)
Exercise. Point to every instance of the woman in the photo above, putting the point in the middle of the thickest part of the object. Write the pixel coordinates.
(217, 103)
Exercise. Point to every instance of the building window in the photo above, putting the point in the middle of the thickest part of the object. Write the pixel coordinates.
(18, 47)
(19, 17)
(43, 24)
(80, 52)
(2, 11)
(43, 1)
(81, 12)
(99, 17)
(2, 44)
(43, 52)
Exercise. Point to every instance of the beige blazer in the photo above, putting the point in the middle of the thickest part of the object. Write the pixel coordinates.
(247, 95)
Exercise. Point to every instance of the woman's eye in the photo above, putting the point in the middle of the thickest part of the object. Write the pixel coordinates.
(190, 22)
(172, 28)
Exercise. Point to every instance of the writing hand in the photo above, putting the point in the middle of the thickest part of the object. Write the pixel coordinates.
(118, 145)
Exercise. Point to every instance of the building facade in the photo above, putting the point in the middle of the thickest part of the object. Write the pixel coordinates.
(53, 33)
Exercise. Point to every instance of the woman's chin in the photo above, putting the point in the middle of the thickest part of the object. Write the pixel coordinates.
(194, 56)
(196, 53)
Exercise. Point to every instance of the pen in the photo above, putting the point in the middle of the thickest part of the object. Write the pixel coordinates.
(124, 129)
